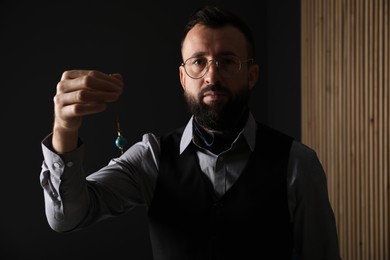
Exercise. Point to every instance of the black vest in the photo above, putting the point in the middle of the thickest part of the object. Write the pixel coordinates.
(250, 221)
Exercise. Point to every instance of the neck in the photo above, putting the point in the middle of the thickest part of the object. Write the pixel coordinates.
(234, 127)
(214, 140)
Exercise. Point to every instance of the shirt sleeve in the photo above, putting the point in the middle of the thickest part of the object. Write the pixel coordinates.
(75, 199)
(315, 232)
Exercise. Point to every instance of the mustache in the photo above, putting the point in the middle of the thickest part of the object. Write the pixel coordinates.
(214, 87)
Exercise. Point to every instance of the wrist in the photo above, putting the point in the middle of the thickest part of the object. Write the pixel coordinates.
(64, 139)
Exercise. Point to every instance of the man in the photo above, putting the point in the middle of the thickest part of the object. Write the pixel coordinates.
(222, 187)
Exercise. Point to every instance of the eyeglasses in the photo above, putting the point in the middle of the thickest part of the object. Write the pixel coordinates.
(227, 66)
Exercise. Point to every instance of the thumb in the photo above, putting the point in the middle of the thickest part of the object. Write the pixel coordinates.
(117, 76)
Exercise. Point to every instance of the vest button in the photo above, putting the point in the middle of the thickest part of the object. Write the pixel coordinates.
(218, 204)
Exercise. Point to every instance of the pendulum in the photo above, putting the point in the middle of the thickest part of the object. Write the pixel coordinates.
(121, 141)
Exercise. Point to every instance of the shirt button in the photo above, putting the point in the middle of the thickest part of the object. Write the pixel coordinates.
(58, 215)
(57, 165)
(69, 164)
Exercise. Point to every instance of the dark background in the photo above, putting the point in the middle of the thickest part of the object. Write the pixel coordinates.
(141, 40)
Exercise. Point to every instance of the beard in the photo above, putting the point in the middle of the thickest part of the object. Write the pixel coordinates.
(220, 115)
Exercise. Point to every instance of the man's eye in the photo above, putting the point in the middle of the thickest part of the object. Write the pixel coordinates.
(226, 61)
(199, 62)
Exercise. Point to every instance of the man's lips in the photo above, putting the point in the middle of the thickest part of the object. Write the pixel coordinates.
(214, 95)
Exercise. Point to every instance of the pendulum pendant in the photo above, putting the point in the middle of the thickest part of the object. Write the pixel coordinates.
(121, 141)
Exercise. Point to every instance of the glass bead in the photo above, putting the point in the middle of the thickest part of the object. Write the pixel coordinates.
(121, 142)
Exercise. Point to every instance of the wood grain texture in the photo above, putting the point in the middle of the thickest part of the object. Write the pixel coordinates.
(345, 74)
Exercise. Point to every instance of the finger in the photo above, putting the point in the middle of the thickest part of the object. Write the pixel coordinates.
(88, 82)
(115, 78)
(79, 110)
(85, 97)
(108, 83)
(73, 74)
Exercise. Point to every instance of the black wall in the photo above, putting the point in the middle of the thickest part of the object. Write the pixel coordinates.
(140, 40)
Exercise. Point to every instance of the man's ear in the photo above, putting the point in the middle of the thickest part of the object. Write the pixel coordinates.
(182, 75)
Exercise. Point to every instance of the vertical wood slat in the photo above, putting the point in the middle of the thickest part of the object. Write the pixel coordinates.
(345, 115)
(366, 134)
(359, 126)
(386, 116)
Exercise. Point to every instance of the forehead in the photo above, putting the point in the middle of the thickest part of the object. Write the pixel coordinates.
(212, 42)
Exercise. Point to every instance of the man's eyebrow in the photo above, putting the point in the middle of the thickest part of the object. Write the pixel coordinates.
(228, 53)
(203, 54)
(198, 54)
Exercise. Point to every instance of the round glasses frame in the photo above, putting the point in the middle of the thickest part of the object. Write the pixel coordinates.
(217, 62)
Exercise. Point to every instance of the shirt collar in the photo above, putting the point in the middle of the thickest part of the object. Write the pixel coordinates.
(249, 133)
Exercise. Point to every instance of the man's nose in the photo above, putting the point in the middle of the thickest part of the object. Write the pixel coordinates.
(212, 74)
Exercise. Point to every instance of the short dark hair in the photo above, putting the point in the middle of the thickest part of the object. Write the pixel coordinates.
(217, 17)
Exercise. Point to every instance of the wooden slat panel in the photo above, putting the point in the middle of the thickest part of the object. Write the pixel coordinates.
(345, 115)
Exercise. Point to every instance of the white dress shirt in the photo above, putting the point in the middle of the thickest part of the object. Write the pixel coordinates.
(74, 201)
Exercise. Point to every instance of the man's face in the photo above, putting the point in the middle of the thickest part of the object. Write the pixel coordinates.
(217, 99)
